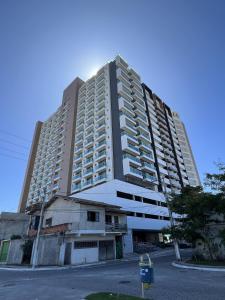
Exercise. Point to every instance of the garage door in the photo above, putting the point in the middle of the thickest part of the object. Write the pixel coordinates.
(84, 252)
(106, 250)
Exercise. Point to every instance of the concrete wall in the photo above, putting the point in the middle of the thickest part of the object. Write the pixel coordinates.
(13, 224)
(49, 250)
(15, 253)
(128, 242)
(63, 211)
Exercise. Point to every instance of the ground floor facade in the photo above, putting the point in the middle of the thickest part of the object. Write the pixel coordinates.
(74, 250)
(147, 212)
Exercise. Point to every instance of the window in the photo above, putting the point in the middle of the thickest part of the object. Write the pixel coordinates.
(48, 222)
(149, 201)
(139, 215)
(137, 198)
(108, 219)
(93, 216)
(124, 195)
(86, 244)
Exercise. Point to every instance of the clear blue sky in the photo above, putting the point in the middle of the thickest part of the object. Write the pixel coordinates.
(178, 48)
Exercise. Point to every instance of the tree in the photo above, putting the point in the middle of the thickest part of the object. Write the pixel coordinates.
(216, 181)
(201, 214)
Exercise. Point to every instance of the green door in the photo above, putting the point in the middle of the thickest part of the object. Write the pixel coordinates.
(4, 251)
(119, 247)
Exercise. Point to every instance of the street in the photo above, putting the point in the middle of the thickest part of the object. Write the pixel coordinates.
(119, 277)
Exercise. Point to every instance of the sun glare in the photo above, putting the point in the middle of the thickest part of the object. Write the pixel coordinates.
(93, 72)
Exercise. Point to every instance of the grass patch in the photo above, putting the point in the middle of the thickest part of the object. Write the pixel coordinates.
(111, 296)
(207, 262)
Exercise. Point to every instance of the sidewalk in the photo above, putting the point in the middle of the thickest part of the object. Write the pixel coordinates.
(128, 257)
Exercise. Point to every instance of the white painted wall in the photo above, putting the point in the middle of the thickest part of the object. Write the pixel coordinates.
(85, 255)
(106, 192)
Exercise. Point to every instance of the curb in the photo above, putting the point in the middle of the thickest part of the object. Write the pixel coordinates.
(50, 268)
(200, 268)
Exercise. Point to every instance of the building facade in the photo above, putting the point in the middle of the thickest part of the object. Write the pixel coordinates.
(77, 231)
(112, 140)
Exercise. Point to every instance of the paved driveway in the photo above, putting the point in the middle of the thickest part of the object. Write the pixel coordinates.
(121, 277)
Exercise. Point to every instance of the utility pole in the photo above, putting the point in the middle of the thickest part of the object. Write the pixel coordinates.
(36, 242)
(175, 243)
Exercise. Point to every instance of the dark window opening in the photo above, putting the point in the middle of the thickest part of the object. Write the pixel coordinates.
(139, 215)
(108, 219)
(124, 195)
(137, 198)
(48, 222)
(149, 201)
(93, 216)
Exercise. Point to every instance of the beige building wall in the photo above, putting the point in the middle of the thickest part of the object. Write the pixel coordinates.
(30, 168)
(50, 163)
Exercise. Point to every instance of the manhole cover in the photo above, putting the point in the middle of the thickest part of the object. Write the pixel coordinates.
(124, 282)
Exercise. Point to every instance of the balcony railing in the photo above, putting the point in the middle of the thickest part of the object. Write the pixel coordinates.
(113, 227)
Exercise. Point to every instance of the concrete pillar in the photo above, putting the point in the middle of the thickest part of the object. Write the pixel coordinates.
(128, 242)
(62, 254)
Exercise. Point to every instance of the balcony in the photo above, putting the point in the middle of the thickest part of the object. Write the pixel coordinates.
(101, 144)
(150, 178)
(129, 147)
(147, 156)
(88, 182)
(148, 166)
(88, 161)
(76, 187)
(125, 135)
(88, 172)
(78, 157)
(134, 159)
(144, 136)
(127, 125)
(135, 172)
(76, 177)
(144, 129)
(101, 165)
(115, 227)
(145, 146)
(100, 155)
(101, 177)
(100, 133)
(88, 151)
(124, 91)
(125, 105)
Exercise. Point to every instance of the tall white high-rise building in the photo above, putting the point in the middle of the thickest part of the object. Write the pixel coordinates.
(113, 140)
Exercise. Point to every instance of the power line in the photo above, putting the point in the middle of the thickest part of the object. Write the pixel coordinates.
(17, 136)
(14, 157)
(10, 150)
(15, 144)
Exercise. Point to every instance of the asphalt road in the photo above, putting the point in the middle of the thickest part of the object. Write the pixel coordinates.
(118, 277)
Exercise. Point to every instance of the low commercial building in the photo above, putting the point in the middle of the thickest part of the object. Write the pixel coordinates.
(78, 231)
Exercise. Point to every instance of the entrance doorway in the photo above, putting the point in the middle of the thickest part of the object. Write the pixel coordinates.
(106, 250)
(4, 251)
(67, 257)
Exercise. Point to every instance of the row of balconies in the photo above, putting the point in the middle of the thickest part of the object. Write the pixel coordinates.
(90, 170)
(89, 182)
